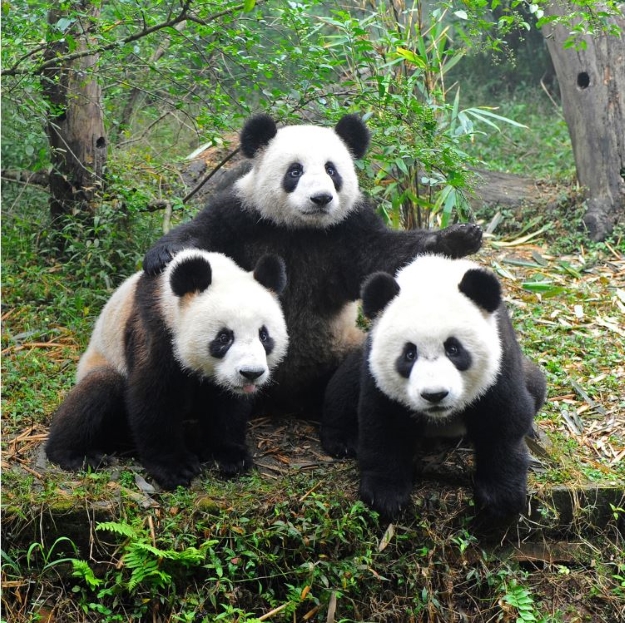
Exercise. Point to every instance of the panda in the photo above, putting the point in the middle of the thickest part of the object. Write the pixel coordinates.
(197, 342)
(301, 200)
(441, 359)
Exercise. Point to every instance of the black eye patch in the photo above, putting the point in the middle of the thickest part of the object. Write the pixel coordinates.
(458, 354)
(406, 360)
(291, 177)
(266, 340)
(222, 342)
(333, 172)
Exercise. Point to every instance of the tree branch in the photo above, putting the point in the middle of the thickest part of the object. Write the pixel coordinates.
(62, 60)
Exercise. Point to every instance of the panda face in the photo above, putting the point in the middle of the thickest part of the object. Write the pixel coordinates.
(303, 176)
(432, 348)
(232, 331)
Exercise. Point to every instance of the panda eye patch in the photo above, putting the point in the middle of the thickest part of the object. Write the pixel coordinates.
(406, 360)
(410, 352)
(295, 170)
(220, 345)
(266, 340)
(457, 354)
(330, 169)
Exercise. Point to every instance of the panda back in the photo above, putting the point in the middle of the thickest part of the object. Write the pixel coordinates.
(106, 346)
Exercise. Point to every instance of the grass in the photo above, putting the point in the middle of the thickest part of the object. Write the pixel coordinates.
(290, 541)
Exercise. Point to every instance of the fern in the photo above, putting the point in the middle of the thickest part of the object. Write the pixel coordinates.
(123, 529)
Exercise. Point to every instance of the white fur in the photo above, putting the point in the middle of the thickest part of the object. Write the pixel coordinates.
(261, 189)
(106, 346)
(236, 301)
(428, 310)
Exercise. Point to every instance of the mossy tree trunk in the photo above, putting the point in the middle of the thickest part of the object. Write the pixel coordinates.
(592, 85)
(75, 124)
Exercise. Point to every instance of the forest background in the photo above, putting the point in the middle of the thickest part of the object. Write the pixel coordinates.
(119, 117)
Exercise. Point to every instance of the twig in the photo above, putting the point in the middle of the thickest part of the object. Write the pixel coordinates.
(269, 614)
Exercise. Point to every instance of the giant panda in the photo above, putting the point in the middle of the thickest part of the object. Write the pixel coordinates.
(441, 359)
(301, 200)
(197, 342)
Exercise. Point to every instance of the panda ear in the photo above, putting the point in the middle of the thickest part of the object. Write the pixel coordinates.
(482, 287)
(378, 290)
(354, 134)
(270, 272)
(256, 133)
(193, 274)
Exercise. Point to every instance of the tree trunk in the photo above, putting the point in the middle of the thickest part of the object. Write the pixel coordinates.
(75, 125)
(592, 85)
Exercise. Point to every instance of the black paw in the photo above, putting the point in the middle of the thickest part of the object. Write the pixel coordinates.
(500, 500)
(388, 498)
(177, 471)
(457, 240)
(233, 461)
(338, 443)
(157, 258)
(73, 462)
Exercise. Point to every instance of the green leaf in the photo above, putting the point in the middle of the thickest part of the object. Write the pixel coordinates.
(248, 5)
(411, 57)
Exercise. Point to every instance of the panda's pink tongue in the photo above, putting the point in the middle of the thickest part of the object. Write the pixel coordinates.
(249, 389)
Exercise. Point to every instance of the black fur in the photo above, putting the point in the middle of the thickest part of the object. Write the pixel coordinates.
(385, 433)
(256, 134)
(326, 269)
(192, 275)
(106, 411)
(482, 287)
(377, 292)
(270, 272)
(354, 134)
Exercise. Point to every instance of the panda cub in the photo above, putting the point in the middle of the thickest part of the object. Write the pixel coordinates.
(301, 200)
(196, 342)
(441, 358)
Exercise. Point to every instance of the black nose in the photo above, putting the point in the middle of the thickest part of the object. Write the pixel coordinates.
(321, 199)
(434, 397)
(251, 374)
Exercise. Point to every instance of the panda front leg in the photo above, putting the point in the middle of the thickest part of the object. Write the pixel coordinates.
(339, 420)
(501, 458)
(455, 241)
(153, 403)
(387, 439)
(223, 432)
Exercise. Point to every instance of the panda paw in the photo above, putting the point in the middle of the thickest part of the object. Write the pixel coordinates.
(387, 498)
(500, 501)
(457, 240)
(73, 462)
(338, 443)
(175, 471)
(233, 461)
(157, 258)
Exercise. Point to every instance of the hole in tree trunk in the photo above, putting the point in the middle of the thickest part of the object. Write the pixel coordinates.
(101, 142)
(583, 80)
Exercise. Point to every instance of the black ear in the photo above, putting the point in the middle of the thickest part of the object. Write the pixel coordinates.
(270, 272)
(482, 287)
(192, 274)
(378, 290)
(256, 133)
(354, 134)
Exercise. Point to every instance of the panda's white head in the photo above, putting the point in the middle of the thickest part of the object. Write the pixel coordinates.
(435, 344)
(302, 175)
(226, 324)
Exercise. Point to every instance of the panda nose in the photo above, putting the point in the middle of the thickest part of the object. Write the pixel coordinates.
(321, 199)
(251, 374)
(434, 397)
